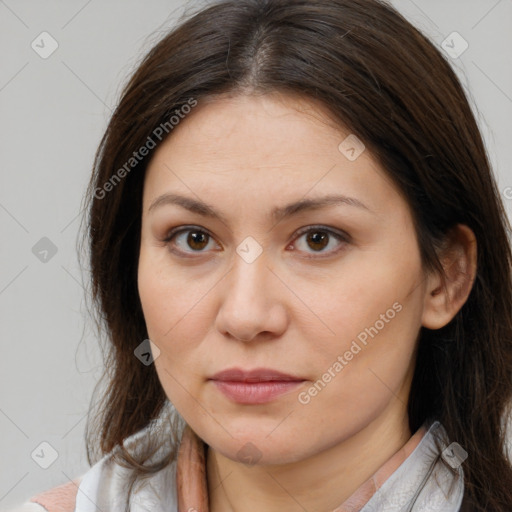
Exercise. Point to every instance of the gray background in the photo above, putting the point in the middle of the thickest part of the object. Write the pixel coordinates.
(52, 114)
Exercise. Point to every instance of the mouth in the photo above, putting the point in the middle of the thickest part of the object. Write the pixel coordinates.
(256, 386)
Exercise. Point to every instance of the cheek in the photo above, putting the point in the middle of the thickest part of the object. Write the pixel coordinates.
(374, 301)
(357, 380)
(374, 315)
(176, 321)
(169, 297)
(152, 292)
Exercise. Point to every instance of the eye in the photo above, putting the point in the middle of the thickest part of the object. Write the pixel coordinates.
(197, 239)
(319, 237)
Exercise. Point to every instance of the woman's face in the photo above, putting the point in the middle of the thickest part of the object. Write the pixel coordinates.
(332, 296)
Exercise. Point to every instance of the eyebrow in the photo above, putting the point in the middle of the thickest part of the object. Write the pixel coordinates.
(277, 214)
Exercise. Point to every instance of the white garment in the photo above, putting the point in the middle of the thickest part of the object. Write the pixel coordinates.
(420, 484)
(103, 485)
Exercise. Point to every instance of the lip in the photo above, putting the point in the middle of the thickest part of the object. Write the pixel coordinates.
(256, 386)
(255, 375)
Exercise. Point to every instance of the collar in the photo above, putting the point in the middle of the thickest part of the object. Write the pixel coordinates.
(426, 479)
(416, 478)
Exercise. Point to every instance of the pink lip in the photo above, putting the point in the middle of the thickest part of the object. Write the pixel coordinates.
(254, 386)
(256, 375)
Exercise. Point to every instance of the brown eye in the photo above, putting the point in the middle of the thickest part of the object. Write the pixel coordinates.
(318, 238)
(188, 240)
(197, 240)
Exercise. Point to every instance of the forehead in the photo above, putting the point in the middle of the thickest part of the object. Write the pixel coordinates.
(262, 147)
(252, 130)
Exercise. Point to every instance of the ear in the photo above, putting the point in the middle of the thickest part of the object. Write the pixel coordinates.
(445, 295)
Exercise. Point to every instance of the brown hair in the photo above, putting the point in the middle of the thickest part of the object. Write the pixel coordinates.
(384, 81)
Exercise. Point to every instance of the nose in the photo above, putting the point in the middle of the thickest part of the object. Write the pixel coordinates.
(252, 302)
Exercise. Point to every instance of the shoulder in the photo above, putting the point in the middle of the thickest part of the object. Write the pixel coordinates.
(57, 499)
(107, 484)
(110, 483)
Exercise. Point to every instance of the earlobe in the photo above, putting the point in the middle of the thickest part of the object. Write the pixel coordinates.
(445, 295)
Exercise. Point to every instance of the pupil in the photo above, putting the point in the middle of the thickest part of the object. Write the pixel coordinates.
(318, 239)
(192, 239)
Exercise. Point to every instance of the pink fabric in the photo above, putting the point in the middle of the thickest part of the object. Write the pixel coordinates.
(58, 499)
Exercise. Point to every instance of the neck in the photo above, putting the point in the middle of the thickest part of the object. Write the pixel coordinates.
(321, 482)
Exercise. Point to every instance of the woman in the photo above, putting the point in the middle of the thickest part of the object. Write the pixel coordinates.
(293, 202)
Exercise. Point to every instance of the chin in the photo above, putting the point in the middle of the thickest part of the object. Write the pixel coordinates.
(254, 446)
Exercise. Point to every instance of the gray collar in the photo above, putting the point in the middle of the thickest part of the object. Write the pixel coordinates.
(431, 479)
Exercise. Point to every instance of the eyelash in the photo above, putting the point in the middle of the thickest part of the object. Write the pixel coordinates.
(341, 237)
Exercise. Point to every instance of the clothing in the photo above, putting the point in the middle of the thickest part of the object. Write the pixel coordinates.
(416, 479)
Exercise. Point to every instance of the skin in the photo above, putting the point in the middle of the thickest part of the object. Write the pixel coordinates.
(295, 308)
